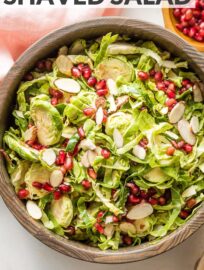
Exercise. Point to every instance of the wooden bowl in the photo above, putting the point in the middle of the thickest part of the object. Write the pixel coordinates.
(44, 47)
(170, 23)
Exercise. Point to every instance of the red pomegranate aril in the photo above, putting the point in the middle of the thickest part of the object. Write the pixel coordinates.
(170, 102)
(127, 240)
(158, 76)
(76, 151)
(170, 94)
(69, 163)
(201, 32)
(99, 216)
(133, 199)
(86, 184)
(179, 26)
(102, 92)
(28, 77)
(105, 153)
(57, 195)
(71, 230)
(57, 94)
(167, 194)
(185, 31)
(92, 81)
(161, 86)
(192, 21)
(81, 133)
(188, 148)
(86, 72)
(153, 201)
(80, 66)
(105, 118)
(99, 228)
(37, 185)
(100, 84)
(196, 13)
(185, 82)
(152, 72)
(192, 32)
(188, 14)
(170, 151)
(152, 191)
(202, 25)
(143, 75)
(47, 187)
(92, 173)
(76, 72)
(40, 65)
(115, 219)
(162, 200)
(134, 189)
(180, 144)
(144, 194)
(184, 214)
(172, 87)
(191, 203)
(62, 157)
(23, 193)
(177, 12)
(198, 37)
(65, 188)
(89, 111)
(54, 101)
(48, 65)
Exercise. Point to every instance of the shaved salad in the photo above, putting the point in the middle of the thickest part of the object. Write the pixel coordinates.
(106, 146)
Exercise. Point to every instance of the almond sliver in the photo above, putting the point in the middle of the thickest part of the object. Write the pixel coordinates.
(184, 129)
(56, 178)
(197, 94)
(177, 112)
(194, 123)
(118, 138)
(68, 85)
(139, 152)
(49, 156)
(99, 116)
(33, 210)
(140, 211)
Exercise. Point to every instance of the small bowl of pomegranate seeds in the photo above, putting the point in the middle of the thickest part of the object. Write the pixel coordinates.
(187, 23)
(102, 151)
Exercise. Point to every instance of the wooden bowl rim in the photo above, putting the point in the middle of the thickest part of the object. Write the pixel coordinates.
(68, 247)
(170, 21)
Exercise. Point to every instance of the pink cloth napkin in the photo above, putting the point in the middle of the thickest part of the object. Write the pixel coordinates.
(20, 27)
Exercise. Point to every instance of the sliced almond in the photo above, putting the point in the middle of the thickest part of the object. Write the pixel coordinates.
(164, 110)
(127, 227)
(91, 156)
(194, 123)
(189, 192)
(140, 211)
(118, 138)
(99, 116)
(113, 106)
(33, 210)
(49, 156)
(85, 161)
(68, 85)
(109, 219)
(111, 84)
(64, 64)
(56, 178)
(197, 94)
(30, 134)
(184, 129)
(177, 112)
(120, 101)
(109, 230)
(87, 144)
(139, 152)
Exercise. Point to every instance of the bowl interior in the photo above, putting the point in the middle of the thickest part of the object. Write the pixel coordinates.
(46, 46)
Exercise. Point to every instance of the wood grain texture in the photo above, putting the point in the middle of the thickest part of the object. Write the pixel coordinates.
(44, 47)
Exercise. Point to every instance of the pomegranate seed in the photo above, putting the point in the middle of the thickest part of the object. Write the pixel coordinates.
(127, 240)
(30, 143)
(182, 90)
(40, 65)
(153, 201)
(198, 37)
(170, 102)
(134, 189)
(180, 144)
(47, 187)
(65, 188)
(191, 203)
(102, 92)
(161, 86)
(188, 148)
(105, 118)
(171, 86)
(37, 185)
(133, 199)
(192, 21)
(28, 77)
(152, 72)
(174, 143)
(57, 195)
(75, 152)
(185, 82)
(99, 228)
(201, 32)
(158, 76)
(54, 101)
(177, 12)
(37, 146)
(143, 75)
(188, 14)
(57, 94)
(80, 66)
(115, 219)
(202, 25)
(152, 191)
(89, 111)
(71, 230)
(99, 216)
(179, 26)
(63, 170)
(167, 194)
(57, 161)
(162, 200)
(184, 214)
(86, 184)
(81, 133)
(144, 194)
(105, 153)
(170, 151)
(196, 13)
(192, 32)
(76, 72)
(92, 173)
(48, 65)
(100, 85)
(68, 165)
(23, 193)
(170, 94)
(62, 157)
(86, 72)
(91, 81)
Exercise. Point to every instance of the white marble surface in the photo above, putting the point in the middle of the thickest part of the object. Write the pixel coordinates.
(19, 250)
